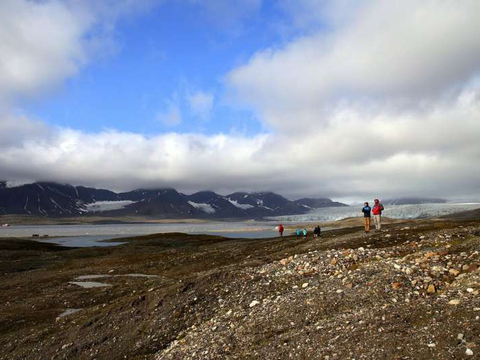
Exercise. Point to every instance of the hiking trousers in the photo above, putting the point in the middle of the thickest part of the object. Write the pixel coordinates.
(366, 221)
(378, 221)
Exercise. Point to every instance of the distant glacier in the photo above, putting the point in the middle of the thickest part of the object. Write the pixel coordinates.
(418, 211)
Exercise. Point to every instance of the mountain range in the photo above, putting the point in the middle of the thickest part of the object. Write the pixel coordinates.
(61, 200)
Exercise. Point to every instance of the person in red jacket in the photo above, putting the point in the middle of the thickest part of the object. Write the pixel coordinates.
(377, 214)
(280, 229)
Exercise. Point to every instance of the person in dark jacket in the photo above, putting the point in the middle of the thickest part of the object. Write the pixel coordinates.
(316, 231)
(366, 217)
(377, 214)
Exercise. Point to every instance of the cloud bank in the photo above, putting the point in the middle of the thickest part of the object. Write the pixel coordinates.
(384, 104)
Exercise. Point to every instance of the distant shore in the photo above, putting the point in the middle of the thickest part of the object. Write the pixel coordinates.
(90, 220)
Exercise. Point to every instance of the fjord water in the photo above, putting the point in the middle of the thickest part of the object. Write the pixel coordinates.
(93, 235)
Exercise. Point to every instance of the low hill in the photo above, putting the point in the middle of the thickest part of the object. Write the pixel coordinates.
(471, 214)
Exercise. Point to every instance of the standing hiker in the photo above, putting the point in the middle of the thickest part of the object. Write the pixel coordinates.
(298, 232)
(377, 214)
(280, 229)
(366, 216)
(304, 233)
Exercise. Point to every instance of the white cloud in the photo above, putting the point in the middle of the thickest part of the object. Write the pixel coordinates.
(172, 116)
(392, 53)
(44, 42)
(129, 160)
(40, 44)
(201, 104)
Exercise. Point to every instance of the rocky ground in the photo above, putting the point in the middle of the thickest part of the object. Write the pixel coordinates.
(408, 292)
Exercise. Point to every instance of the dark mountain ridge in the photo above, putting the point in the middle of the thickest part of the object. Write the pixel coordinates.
(61, 200)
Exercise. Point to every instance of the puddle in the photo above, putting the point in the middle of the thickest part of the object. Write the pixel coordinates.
(95, 284)
(82, 241)
(89, 284)
(90, 277)
(68, 312)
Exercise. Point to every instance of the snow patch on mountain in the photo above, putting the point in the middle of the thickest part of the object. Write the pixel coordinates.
(58, 206)
(240, 206)
(266, 207)
(204, 207)
(16, 183)
(100, 206)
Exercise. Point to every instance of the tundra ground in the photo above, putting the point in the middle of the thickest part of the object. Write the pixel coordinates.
(408, 292)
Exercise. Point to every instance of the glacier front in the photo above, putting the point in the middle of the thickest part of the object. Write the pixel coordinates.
(418, 211)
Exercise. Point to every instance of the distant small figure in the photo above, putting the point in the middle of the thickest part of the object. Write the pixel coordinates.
(280, 229)
(366, 217)
(316, 231)
(377, 214)
(304, 233)
(298, 232)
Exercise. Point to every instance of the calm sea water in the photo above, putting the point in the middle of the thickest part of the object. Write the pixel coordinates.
(92, 235)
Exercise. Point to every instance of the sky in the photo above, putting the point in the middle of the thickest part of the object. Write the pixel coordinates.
(339, 98)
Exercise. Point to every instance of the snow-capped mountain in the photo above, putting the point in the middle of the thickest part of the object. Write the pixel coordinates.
(49, 199)
(57, 200)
